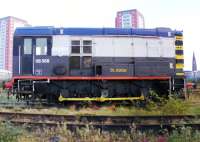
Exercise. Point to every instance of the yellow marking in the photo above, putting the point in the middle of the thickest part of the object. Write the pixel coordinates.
(179, 47)
(179, 57)
(179, 66)
(118, 70)
(180, 74)
(179, 37)
(100, 99)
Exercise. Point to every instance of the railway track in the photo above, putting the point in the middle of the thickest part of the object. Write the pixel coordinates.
(102, 122)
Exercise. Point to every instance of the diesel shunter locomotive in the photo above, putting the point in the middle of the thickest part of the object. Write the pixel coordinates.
(96, 64)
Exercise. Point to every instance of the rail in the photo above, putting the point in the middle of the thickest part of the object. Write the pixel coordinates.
(100, 121)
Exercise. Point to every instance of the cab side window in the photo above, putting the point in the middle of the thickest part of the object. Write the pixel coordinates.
(27, 46)
(87, 46)
(75, 46)
(41, 46)
(81, 54)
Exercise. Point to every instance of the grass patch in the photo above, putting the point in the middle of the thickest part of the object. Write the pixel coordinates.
(4, 98)
(9, 133)
(195, 110)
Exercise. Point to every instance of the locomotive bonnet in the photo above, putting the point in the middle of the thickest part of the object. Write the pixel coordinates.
(96, 64)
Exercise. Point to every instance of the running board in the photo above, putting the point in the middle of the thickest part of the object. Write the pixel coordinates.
(100, 99)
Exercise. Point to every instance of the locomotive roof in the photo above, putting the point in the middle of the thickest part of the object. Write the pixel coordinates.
(48, 31)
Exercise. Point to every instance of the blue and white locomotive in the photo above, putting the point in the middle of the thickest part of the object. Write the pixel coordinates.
(96, 64)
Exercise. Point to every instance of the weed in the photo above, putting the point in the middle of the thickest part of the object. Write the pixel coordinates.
(175, 106)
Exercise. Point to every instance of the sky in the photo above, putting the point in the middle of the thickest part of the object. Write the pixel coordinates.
(181, 15)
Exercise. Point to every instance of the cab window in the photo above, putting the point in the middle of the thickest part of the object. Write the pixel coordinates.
(27, 46)
(41, 46)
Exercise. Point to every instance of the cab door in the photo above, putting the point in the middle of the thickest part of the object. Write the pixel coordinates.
(27, 57)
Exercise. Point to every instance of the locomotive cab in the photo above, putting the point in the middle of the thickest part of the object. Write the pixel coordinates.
(29, 53)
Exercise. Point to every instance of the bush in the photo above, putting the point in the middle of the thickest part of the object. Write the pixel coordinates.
(154, 101)
(175, 106)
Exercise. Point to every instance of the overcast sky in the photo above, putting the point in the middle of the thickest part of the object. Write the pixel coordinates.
(176, 14)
